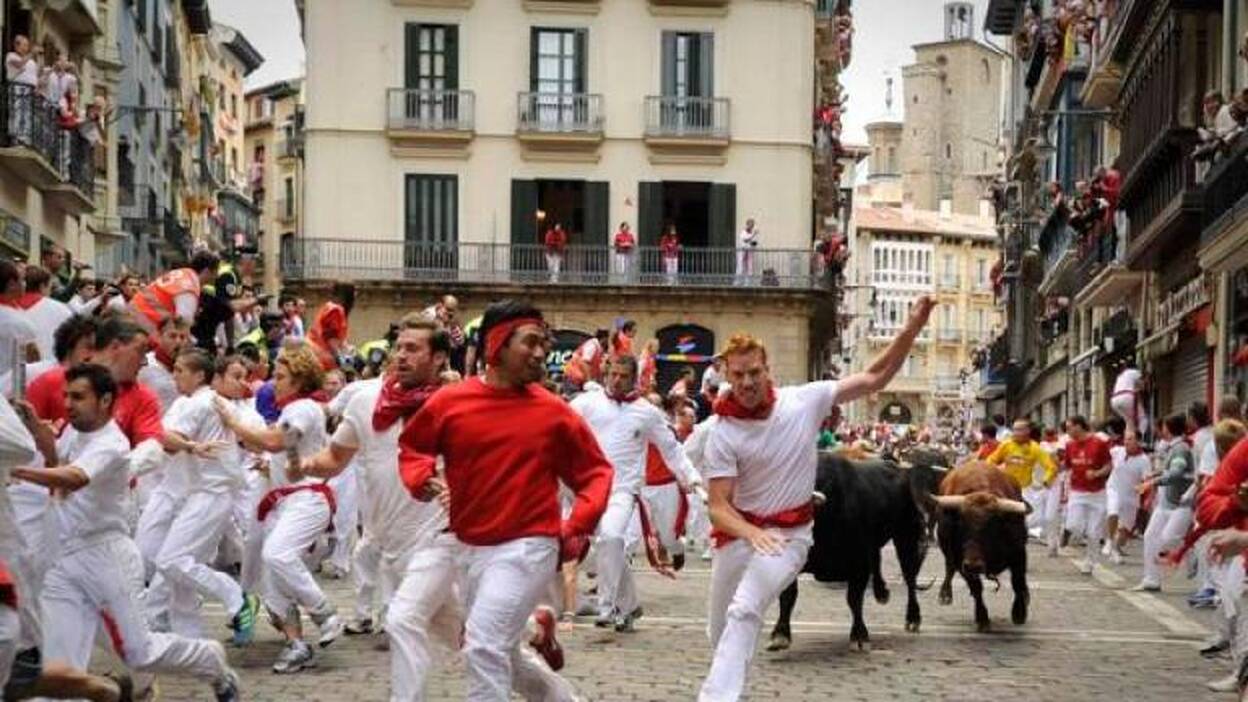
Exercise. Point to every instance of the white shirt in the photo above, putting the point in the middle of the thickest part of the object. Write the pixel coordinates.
(15, 325)
(160, 380)
(199, 421)
(774, 460)
(21, 69)
(1128, 471)
(46, 315)
(711, 380)
(306, 417)
(623, 430)
(747, 238)
(695, 443)
(176, 480)
(60, 84)
(1127, 381)
(98, 510)
(1205, 451)
(17, 448)
(395, 520)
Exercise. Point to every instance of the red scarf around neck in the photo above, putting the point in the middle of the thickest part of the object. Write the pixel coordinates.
(27, 300)
(626, 398)
(397, 402)
(316, 396)
(728, 406)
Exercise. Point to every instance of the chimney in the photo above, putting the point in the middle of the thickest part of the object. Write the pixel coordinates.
(946, 208)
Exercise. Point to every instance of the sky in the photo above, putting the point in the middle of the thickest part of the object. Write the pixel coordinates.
(884, 30)
(272, 26)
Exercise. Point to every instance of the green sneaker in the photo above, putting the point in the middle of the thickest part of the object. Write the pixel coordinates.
(244, 622)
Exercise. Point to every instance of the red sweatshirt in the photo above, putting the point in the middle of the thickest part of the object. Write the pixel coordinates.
(1216, 506)
(1089, 453)
(505, 452)
(136, 408)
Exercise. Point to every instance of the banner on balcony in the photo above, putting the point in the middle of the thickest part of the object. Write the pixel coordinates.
(683, 346)
(566, 341)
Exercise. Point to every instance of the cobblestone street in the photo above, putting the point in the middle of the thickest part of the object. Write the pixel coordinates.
(1087, 639)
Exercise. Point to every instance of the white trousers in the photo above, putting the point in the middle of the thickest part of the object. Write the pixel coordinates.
(190, 545)
(745, 264)
(150, 534)
(1166, 528)
(623, 264)
(1132, 410)
(1085, 515)
(10, 634)
(93, 587)
(1125, 505)
(290, 530)
(367, 578)
(554, 262)
(617, 591)
(500, 584)
(423, 612)
(744, 583)
(346, 517)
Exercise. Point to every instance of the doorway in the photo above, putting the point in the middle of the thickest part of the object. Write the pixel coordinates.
(686, 205)
(563, 202)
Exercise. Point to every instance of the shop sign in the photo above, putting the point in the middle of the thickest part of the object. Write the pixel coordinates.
(565, 343)
(1181, 302)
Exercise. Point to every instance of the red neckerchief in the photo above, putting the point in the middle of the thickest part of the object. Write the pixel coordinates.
(27, 300)
(728, 406)
(163, 358)
(397, 402)
(625, 398)
(315, 396)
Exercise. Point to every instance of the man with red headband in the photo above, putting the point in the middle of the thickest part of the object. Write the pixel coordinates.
(507, 443)
(761, 460)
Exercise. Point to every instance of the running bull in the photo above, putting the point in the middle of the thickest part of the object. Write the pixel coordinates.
(981, 529)
(862, 504)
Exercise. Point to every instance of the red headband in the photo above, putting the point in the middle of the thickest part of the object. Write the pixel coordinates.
(501, 332)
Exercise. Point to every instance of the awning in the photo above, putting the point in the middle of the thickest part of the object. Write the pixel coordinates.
(1160, 342)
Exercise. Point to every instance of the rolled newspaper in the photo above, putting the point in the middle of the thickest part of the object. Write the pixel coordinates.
(291, 437)
(18, 391)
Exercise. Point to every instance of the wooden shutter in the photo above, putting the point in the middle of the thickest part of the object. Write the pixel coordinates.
(723, 215)
(450, 56)
(523, 211)
(580, 44)
(706, 65)
(411, 55)
(668, 58)
(535, 38)
(649, 212)
(597, 212)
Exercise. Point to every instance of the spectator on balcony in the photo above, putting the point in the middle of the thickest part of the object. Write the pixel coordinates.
(747, 242)
(59, 80)
(669, 249)
(625, 244)
(21, 71)
(93, 125)
(1217, 131)
(556, 241)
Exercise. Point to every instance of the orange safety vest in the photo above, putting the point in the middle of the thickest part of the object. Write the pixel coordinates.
(154, 303)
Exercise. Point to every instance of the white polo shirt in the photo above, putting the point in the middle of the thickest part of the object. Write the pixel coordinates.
(623, 429)
(307, 417)
(198, 421)
(98, 510)
(774, 460)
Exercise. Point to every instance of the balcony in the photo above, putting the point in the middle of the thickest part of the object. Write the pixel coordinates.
(1104, 80)
(1226, 188)
(687, 122)
(290, 147)
(695, 4)
(525, 264)
(80, 17)
(949, 335)
(1106, 279)
(902, 278)
(951, 283)
(285, 211)
(75, 191)
(31, 146)
(947, 386)
(429, 117)
(559, 120)
(1060, 253)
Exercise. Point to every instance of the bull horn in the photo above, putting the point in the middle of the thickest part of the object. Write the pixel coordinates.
(1012, 506)
(949, 501)
(818, 498)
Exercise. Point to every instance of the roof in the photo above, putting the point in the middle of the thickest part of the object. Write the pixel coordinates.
(894, 219)
(197, 16)
(237, 44)
(277, 89)
(960, 42)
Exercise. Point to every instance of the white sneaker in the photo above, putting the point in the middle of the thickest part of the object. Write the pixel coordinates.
(1115, 557)
(1085, 566)
(1108, 548)
(1228, 684)
(1146, 587)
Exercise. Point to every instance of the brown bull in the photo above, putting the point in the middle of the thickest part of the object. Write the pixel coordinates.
(982, 532)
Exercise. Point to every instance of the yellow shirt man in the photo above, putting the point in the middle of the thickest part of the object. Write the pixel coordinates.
(1019, 461)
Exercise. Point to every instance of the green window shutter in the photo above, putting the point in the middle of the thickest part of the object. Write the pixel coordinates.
(649, 212)
(597, 206)
(580, 42)
(668, 57)
(706, 64)
(411, 55)
(523, 211)
(535, 38)
(723, 215)
(451, 57)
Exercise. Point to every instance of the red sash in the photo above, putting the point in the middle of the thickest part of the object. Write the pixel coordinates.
(272, 497)
(8, 587)
(789, 518)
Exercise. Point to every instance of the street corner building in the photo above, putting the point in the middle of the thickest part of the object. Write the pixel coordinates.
(494, 148)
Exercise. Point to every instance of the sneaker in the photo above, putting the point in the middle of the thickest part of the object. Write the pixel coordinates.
(627, 623)
(706, 554)
(1115, 557)
(1215, 648)
(1228, 684)
(1201, 596)
(244, 621)
(545, 642)
(1210, 603)
(1085, 566)
(358, 626)
(226, 689)
(333, 571)
(605, 619)
(1146, 587)
(296, 656)
(1108, 548)
(587, 610)
(329, 624)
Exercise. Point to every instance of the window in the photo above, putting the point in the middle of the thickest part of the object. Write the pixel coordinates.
(432, 57)
(431, 215)
(289, 203)
(981, 272)
(558, 61)
(234, 106)
(688, 64)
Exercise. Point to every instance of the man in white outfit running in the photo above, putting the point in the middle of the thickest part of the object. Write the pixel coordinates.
(761, 461)
(623, 422)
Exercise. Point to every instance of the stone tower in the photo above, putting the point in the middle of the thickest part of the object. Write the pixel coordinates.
(952, 103)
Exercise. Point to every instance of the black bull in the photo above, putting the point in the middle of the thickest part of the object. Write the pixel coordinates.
(867, 504)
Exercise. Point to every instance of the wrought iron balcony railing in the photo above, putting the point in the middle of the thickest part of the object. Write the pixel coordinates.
(557, 113)
(694, 117)
(29, 121)
(430, 110)
(375, 260)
